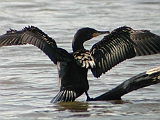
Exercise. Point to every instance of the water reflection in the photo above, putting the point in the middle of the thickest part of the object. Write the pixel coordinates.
(86, 109)
(72, 106)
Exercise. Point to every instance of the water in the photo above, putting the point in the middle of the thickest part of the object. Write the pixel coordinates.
(28, 79)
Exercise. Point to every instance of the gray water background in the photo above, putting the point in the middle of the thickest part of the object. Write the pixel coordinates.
(29, 80)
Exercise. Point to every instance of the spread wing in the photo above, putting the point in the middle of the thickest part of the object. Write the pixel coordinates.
(123, 43)
(35, 36)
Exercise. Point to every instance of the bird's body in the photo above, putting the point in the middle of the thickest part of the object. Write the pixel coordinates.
(73, 81)
(121, 44)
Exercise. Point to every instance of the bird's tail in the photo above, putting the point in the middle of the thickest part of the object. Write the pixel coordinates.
(64, 96)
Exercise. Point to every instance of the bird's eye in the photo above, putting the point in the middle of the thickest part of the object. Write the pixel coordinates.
(90, 35)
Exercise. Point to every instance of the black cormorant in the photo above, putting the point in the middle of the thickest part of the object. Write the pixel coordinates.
(121, 44)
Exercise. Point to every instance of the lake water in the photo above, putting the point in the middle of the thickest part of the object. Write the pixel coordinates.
(29, 80)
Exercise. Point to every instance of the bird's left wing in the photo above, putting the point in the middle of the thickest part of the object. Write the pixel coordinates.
(35, 36)
(123, 43)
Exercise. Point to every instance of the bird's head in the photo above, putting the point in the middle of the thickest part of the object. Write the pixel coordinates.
(83, 35)
(87, 33)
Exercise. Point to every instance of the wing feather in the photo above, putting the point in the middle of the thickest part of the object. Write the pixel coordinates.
(35, 36)
(123, 43)
(147, 42)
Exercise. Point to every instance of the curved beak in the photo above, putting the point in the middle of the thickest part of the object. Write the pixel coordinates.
(97, 33)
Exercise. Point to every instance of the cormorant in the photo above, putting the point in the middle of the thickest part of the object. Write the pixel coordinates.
(121, 44)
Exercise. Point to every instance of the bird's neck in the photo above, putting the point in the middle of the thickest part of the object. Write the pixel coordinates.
(77, 45)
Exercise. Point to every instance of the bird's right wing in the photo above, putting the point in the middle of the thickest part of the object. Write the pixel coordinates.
(123, 43)
(35, 36)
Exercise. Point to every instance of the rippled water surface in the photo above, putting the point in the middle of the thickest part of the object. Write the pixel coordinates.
(28, 79)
